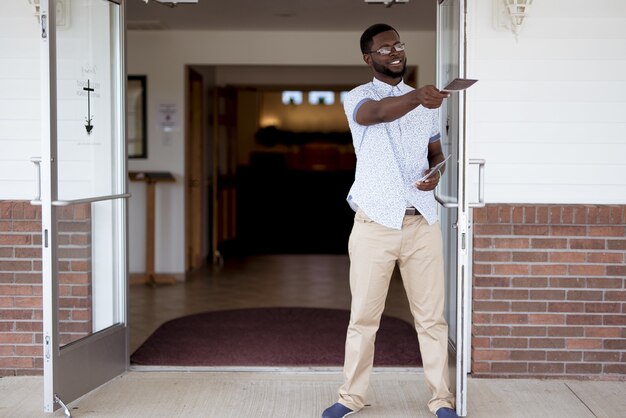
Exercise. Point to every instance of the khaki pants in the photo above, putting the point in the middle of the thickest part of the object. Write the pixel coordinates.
(374, 251)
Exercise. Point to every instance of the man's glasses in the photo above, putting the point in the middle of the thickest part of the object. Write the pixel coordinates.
(386, 50)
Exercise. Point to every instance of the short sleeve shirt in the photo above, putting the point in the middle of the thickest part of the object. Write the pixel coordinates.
(391, 156)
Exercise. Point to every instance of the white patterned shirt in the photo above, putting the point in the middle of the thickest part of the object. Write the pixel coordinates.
(391, 156)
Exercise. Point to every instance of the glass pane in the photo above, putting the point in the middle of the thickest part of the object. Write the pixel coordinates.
(90, 262)
(88, 101)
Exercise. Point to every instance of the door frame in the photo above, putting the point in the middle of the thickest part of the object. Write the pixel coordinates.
(104, 352)
(460, 277)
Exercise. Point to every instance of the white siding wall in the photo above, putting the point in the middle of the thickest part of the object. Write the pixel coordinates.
(19, 99)
(549, 111)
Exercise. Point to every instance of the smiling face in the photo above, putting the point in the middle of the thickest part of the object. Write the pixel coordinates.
(388, 68)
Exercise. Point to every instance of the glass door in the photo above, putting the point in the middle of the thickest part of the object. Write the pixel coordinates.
(83, 197)
(452, 194)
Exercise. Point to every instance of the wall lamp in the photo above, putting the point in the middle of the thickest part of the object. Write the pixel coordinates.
(511, 14)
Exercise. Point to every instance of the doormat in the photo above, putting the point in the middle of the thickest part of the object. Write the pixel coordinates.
(271, 337)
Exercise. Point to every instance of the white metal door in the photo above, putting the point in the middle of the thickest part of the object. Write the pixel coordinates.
(453, 193)
(83, 197)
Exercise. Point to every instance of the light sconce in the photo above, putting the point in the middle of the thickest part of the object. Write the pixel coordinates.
(512, 13)
(62, 12)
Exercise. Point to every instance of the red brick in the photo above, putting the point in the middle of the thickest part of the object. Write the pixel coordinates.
(583, 368)
(511, 242)
(511, 269)
(490, 306)
(517, 355)
(530, 230)
(619, 344)
(479, 215)
(590, 295)
(554, 243)
(584, 320)
(546, 319)
(586, 270)
(80, 239)
(530, 213)
(583, 344)
(615, 369)
(566, 307)
(547, 294)
(28, 326)
(587, 244)
(491, 355)
(614, 320)
(477, 318)
(16, 290)
(601, 356)
(564, 355)
(480, 367)
(509, 367)
(616, 271)
(608, 258)
(492, 229)
(536, 282)
(14, 265)
(16, 314)
(547, 343)
(481, 294)
(616, 295)
(28, 302)
(492, 256)
(16, 338)
(530, 256)
(491, 330)
(518, 331)
(554, 215)
(603, 307)
(603, 332)
(567, 215)
(479, 342)
(606, 231)
(482, 268)
(568, 331)
(491, 281)
(27, 252)
(15, 363)
(509, 319)
(528, 306)
(549, 269)
(546, 368)
(568, 257)
(616, 244)
(508, 342)
(568, 231)
(28, 350)
(568, 282)
(509, 294)
(481, 242)
(26, 226)
(28, 278)
(601, 283)
(542, 215)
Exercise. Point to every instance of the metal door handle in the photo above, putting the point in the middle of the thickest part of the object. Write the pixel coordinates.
(481, 183)
(446, 201)
(37, 162)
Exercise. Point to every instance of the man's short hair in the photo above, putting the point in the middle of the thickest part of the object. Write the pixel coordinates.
(368, 35)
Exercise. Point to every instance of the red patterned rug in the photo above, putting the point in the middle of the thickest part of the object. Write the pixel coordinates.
(271, 337)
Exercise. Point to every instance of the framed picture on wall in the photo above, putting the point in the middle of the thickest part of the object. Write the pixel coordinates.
(137, 140)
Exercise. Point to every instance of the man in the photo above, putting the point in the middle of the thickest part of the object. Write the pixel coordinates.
(395, 131)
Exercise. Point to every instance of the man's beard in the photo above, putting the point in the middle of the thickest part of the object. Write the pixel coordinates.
(388, 72)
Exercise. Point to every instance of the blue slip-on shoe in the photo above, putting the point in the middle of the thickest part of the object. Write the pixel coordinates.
(446, 413)
(337, 410)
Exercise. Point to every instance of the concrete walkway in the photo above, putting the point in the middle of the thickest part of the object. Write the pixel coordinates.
(301, 394)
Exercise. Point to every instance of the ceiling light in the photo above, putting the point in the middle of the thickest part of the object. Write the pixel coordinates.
(387, 3)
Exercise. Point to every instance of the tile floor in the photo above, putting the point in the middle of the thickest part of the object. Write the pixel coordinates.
(259, 281)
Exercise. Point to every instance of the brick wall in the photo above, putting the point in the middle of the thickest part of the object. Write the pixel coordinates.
(549, 292)
(21, 284)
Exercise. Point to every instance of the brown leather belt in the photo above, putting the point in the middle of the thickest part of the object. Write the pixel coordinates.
(412, 211)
